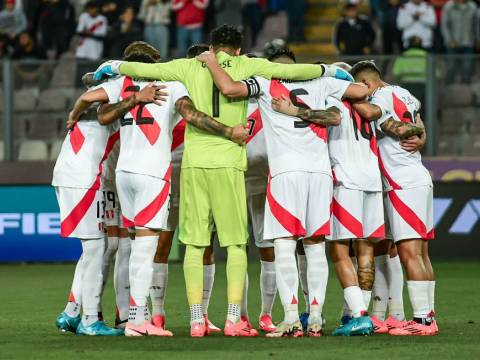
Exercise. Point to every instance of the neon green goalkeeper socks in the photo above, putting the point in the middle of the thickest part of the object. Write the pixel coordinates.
(236, 272)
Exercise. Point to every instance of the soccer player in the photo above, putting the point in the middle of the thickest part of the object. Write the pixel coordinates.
(300, 186)
(357, 204)
(212, 186)
(409, 201)
(77, 180)
(143, 179)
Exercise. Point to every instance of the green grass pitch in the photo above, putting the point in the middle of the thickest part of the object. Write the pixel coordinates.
(31, 297)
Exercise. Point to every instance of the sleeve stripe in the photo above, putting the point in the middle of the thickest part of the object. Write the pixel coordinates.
(253, 86)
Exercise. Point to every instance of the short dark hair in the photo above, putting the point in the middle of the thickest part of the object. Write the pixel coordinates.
(196, 49)
(365, 65)
(140, 57)
(139, 48)
(226, 36)
(282, 52)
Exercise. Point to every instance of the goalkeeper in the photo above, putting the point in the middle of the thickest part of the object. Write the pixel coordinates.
(212, 186)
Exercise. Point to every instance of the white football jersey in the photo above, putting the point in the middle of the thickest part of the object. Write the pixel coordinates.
(146, 130)
(293, 144)
(110, 164)
(85, 148)
(400, 169)
(257, 172)
(353, 150)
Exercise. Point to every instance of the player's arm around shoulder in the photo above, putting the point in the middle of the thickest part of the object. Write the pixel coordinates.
(328, 117)
(200, 120)
(152, 93)
(227, 86)
(83, 103)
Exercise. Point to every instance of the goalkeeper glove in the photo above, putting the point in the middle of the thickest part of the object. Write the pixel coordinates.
(108, 69)
(336, 72)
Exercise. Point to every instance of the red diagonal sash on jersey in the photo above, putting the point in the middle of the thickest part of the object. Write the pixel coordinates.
(383, 170)
(147, 214)
(347, 219)
(401, 109)
(91, 29)
(362, 123)
(277, 89)
(255, 124)
(178, 134)
(290, 222)
(322, 230)
(409, 216)
(69, 224)
(76, 139)
(151, 131)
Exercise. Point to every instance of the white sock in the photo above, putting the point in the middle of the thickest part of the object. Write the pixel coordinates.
(367, 295)
(196, 314)
(431, 295)
(92, 279)
(354, 299)
(317, 275)
(268, 286)
(395, 275)
(120, 278)
(141, 270)
(233, 313)
(287, 278)
(418, 293)
(302, 273)
(74, 303)
(159, 288)
(244, 308)
(208, 280)
(380, 287)
(346, 309)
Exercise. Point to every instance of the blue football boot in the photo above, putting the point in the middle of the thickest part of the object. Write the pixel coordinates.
(345, 319)
(304, 320)
(356, 326)
(67, 323)
(98, 328)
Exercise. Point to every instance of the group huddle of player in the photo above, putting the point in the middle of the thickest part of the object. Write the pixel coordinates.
(157, 147)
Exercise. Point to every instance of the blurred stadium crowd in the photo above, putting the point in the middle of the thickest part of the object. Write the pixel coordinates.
(54, 42)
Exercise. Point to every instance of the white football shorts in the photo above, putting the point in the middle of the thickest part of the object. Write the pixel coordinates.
(410, 213)
(81, 212)
(298, 205)
(113, 213)
(256, 214)
(144, 199)
(356, 214)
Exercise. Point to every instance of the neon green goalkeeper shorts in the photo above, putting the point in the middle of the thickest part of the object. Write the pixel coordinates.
(212, 196)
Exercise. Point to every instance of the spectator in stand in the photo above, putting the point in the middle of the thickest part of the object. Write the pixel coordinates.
(252, 21)
(26, 48)
(391, 35)
(438, 45)
(6, 49)
(228, 12)
(458, 30)
(156, 17)
(296, 23)
(92, 28)
(354, 34)
(410, 68)
(190, 19)
(127, 30)
(417, 18)
(12, 19)
(55, 25)
(111, 10)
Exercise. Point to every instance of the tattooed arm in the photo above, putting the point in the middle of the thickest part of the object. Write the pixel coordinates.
(328, 117)
(109, 113)
(417, 142)
(400, 129)
(185, 107)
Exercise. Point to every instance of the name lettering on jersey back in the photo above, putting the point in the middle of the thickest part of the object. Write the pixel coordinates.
(224, 64)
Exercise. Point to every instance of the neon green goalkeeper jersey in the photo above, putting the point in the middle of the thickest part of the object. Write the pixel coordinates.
(205, 150)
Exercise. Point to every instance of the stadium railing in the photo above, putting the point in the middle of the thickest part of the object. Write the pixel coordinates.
(36, 96)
